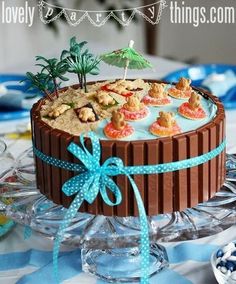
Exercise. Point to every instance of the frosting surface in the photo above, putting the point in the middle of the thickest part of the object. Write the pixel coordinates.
(69, 122)
(141, 127)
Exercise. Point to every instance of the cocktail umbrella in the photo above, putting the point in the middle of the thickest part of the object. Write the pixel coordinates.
(127, 58)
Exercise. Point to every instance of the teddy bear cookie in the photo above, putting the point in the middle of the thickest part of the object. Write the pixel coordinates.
(165, 125)
(182, 89)
(193, 108)
(56, 112)
(105, 99)
(118, 128)
(86, 114)
(134, 109)
(157, 96)
(120, 87)
(124, 88)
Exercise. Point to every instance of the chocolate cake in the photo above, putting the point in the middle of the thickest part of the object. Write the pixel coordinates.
(140, 137)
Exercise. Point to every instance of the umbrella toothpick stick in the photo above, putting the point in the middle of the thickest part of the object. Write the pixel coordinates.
(131, 44)
(126, 69)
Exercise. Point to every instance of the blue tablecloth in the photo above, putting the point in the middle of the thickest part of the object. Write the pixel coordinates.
(27, 261)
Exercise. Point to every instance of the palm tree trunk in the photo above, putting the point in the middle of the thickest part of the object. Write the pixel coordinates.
(80, 82)
(85, 84)
(48, 95)
(55, 86)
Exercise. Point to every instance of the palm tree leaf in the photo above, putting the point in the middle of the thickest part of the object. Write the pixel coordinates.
(38, 57)
(73, 41)
(82, 44)
(65, 54)
(63, 78)
(94, 72)
(40, 65)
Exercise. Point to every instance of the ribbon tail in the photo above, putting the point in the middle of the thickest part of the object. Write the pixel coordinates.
(145, 247)
(112, 186)
(70, 214)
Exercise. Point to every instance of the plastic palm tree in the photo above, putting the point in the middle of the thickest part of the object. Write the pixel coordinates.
(72, 55)
(85, 64)
(39, 81)
(80, 62)
(55, 69)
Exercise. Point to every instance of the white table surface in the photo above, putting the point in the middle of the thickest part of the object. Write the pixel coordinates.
(197, 273)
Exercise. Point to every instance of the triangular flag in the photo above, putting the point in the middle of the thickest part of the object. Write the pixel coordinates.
(152, 13)
(98, 18)
(123, 17)
(75, 17)
(49, 13)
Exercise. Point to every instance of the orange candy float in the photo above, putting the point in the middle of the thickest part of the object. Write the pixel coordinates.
(149, 101)
(177, 94)
(118, 128)
(134, 110)
(165, 125)
(113, 133)
(157, 96)
(192, 109)
(182, 90)
(133, 116)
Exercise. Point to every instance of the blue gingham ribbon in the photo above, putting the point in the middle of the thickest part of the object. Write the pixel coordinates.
(94, 178)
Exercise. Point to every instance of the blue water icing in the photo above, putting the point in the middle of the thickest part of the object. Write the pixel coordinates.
(141, 127)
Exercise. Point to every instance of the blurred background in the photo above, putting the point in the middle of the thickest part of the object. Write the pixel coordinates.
(208, 43)
(170, 47)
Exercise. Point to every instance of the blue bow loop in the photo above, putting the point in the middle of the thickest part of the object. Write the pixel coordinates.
(113, 167)
(77, 184)
(96, 178)
(112, 186)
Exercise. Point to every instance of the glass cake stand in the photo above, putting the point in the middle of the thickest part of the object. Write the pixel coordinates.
(110, 245)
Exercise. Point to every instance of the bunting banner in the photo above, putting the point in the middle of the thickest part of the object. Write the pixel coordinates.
(151, 13)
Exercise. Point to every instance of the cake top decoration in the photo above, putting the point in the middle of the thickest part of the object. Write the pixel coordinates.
(54, 113)
(80, 62)
(165, 125)
(75, 60)
(55, 69)
(184, 84)
(193, 108)
(157, 91)
(118, 128)
(86, 114)
(118, 120)
(89, 107)
(133, 104)
(127, 58)
(194, 101)
(46, 80)
(105, 99)
(166, 119)
(40, 82)
(182, 90)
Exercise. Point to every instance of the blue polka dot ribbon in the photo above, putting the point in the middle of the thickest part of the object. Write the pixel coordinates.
(94, 178)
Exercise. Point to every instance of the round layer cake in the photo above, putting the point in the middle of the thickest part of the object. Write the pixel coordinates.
(55, 124)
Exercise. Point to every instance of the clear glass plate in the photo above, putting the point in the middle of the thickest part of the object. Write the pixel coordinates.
(98, 234)
(6, 170)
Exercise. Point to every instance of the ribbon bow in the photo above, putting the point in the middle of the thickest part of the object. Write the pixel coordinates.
(96, 178)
